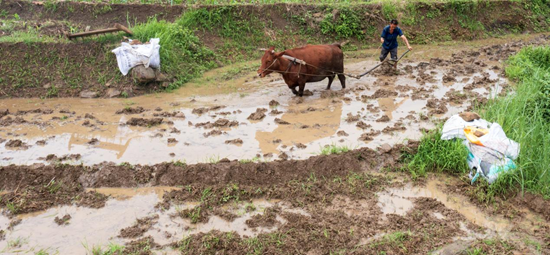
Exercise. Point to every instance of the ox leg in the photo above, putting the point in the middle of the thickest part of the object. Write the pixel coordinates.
(293, 88)
(302, 86)
(330, 79)
(342, 79)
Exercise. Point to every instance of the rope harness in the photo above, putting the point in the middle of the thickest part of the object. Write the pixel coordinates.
(296, 61)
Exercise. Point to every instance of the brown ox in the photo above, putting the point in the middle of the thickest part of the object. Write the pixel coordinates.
(321, 61)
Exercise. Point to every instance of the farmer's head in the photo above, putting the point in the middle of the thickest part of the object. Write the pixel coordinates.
(393, 23)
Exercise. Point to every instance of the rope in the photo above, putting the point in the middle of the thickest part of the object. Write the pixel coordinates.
(301, 62)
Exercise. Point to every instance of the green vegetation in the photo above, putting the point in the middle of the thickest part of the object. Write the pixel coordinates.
(436, 155)
(333, 149)
(394, 240)
(525, 118)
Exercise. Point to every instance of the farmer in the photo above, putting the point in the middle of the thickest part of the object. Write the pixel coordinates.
(389, 40)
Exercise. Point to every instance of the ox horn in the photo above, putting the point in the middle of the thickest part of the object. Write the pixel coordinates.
(262, 49)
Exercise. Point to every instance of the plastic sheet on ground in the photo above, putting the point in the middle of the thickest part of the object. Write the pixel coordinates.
(128, 55)
(490, 154)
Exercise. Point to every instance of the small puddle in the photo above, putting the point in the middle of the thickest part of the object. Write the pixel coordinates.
(98, 227)
(400, 201)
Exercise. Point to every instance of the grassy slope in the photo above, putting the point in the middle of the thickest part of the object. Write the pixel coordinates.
(525, 118)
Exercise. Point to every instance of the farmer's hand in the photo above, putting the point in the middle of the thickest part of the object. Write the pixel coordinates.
(410, 48)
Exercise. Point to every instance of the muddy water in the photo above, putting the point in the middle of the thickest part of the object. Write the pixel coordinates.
(400, 201)
(312, 121)
(88, 228)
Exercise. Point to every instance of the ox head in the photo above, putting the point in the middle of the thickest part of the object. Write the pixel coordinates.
(269, 62)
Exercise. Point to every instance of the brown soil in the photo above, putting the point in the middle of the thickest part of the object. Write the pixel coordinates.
(353, 118)
(141, 226)
(130, 110)
(384, 118)
(281, 122)
(382, 93)
(363, 125)
(275, 112)
(437, 106)
(267, 219)
(53, 157)
(342, 133)
(142, 246)
(214, 132)
(258, 115)
(203, 110)
(220, 123)
(144, 122)
(36, 197)
(237, 141)
(63, 220)
(16, 144)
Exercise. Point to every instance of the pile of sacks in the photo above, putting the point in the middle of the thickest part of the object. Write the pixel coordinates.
(490, 151)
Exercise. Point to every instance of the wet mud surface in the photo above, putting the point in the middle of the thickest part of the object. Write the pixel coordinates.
(243, 174)
(377, 109)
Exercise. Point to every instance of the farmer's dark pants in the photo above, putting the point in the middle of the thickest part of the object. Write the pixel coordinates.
(384, 54)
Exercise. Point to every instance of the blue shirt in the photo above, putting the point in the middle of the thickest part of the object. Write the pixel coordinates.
(390, 40)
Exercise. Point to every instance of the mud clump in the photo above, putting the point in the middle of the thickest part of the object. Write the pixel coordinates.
(437, 106)
(53, 157)
(301, 146)
(93, 141)
(447, 78)
(363, 125)
(281, 122)
(203, 110)
(144, 122)
(258, 115)
(139, 228)
(180, 115)
(395, 127)
(4, 112)
(16, 144)
(275, 112)
(237, 141)
(273, 103)
(268, 219)
(130, 110)
(352, 118)
(283, 156)
(365, 137)
(39, 111)
(172, 140)
(455, 96)
(220, 123)
(214, 132)
(381, 93)
(332, 93)
(384, 118)
(342, 133)
(89, 116)
(469, 116)
(141, 246)
(63, 220)
(41, 142)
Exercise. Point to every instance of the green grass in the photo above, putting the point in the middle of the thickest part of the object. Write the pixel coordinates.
(333, 149)
(525, 118)
(436, 155)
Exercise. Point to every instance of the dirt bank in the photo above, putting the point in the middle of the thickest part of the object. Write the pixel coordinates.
(52, 67)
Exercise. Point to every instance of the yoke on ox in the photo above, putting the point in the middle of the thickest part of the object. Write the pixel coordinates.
(311, 63)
